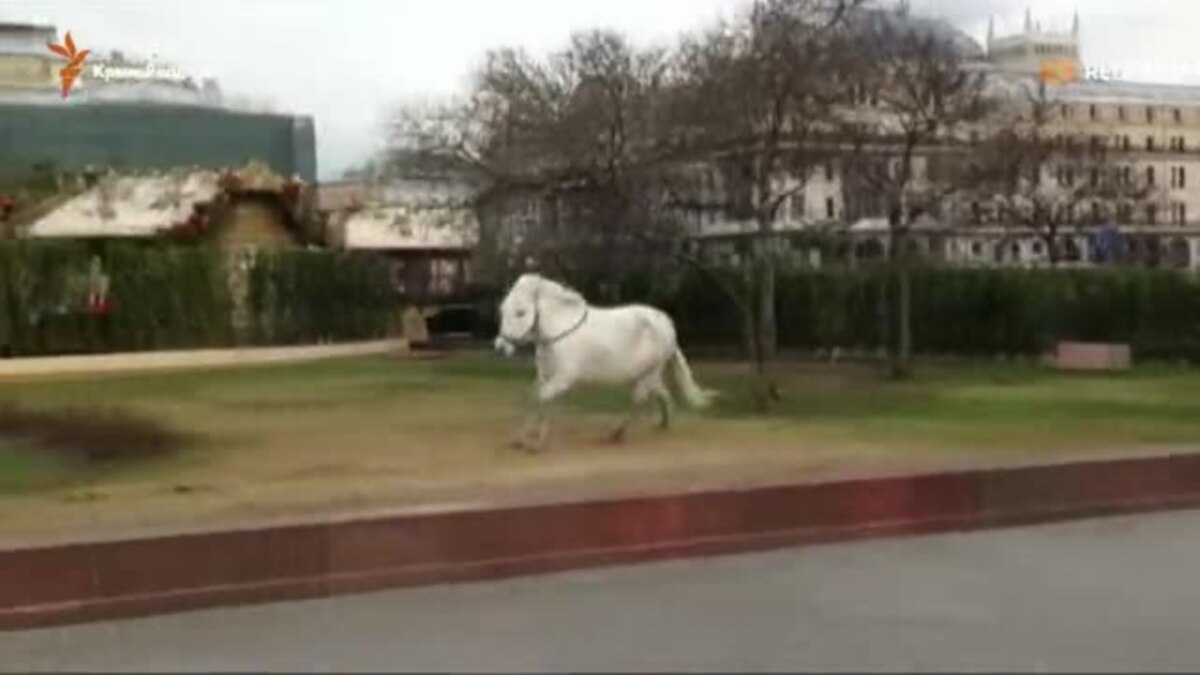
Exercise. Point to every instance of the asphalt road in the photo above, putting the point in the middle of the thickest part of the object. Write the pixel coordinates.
(1104, 595)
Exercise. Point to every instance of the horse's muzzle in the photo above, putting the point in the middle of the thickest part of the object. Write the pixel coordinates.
(504, 346)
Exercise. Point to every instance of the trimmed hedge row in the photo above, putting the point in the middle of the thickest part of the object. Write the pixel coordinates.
(965, 311)
(182, 297)
(302, 297)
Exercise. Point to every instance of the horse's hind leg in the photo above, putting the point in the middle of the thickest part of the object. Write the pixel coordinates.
(662, 395)
(641, 392)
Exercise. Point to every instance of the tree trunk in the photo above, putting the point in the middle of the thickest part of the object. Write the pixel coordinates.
(902, 365)
(767, 332)
(901, 351)
(883, 318)
(749, 334)
(1051, 239)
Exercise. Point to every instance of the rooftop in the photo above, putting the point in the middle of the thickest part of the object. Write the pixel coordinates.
(128, 206)
(1101, 91)
(32, 27)
(406, 228)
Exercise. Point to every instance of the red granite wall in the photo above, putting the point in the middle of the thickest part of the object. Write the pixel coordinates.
(62, 584)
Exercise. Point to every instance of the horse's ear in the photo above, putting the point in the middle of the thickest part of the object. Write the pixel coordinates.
(573, 297)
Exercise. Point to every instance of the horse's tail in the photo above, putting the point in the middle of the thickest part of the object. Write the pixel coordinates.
(692, 393)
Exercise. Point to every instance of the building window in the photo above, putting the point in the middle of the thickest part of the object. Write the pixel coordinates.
(829, 171)
(1124, 213)
(1182, 214)
(1095, 177)
(1126, 175)
(976, 249)
(1037, 248)
(1152, 214)
(1150, 175)
(1182, 177)
(1150, 144)
(796, 206)
(1066, 111)
(1125, 143)
(1178, 115)
(1182, 144)
(1092, 111)
(1149, 114)
(1121, 113)
(829, 212)
(1096, 212)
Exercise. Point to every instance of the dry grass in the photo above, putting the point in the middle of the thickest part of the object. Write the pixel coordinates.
(371, 432)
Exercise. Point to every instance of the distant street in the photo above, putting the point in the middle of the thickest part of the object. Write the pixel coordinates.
(1113, 595)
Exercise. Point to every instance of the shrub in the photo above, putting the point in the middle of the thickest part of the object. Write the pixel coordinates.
(965, 311)
(170, 296)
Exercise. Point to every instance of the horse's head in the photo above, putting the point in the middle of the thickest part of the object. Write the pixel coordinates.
(529, 300)
(518, 314)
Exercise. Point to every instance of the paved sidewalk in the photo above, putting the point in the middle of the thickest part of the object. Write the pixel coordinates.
(200, 358)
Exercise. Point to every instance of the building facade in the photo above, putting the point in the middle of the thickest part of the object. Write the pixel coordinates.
(1151, 130)
(425, 227)
(131, 113)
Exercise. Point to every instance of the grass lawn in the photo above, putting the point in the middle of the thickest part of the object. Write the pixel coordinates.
(375, 431)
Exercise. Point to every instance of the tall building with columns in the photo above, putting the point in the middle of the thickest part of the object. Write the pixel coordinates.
(1152, 131)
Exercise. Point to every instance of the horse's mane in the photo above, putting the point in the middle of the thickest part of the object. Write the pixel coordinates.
(555, 289)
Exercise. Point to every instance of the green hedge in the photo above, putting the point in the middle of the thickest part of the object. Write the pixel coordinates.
(180, 297)
(964, 311)
(304, 297)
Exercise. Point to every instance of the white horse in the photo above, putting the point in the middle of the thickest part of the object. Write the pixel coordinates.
(577, 343)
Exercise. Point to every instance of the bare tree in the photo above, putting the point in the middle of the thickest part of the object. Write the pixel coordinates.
(565, 142)
(915, 98)
(753, 103)
(603, 144)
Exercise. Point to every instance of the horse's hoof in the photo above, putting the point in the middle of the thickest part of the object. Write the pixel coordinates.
(617, 436)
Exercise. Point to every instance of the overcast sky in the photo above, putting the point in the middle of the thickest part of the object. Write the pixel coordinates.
(347, 61)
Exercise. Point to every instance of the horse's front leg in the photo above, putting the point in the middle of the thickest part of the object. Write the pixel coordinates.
(547, 394)
(521, 438)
